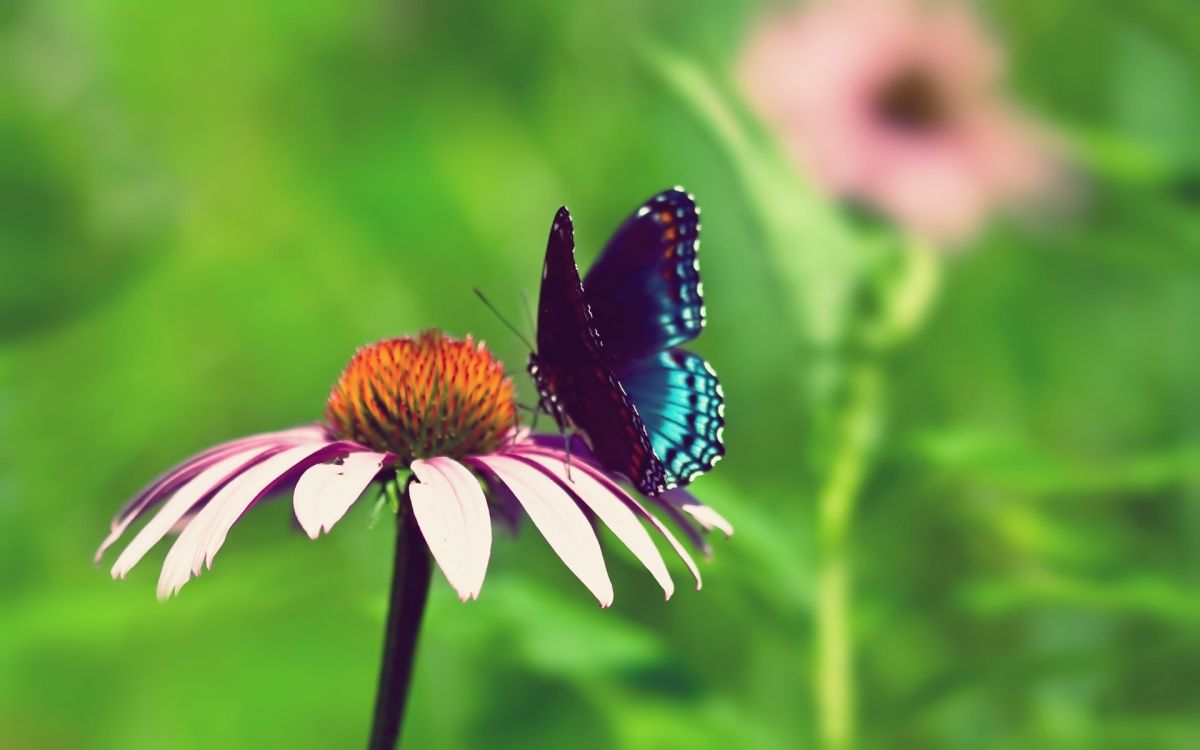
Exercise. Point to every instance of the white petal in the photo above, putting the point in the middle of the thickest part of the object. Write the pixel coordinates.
(559, 519)
(452, 513)
(204, 536)
(155, 492)
(628, 500)
(326, 491)
(708, 518)
(615, 514)
(178, 506)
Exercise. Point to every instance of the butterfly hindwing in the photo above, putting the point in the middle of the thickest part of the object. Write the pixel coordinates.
(603, 411)
(644, 289)
(680, 402)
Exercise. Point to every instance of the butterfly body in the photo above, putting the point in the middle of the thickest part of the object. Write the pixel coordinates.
(607, 365)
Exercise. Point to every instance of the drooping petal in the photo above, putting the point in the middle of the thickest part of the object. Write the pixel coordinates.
(672, 540)
(707, 517)
(582, 456)
(558, 518)
(158, 490)
(452, 513)
(180, 503)
(326, 491)
(599, 475)
(503, 504)
(688, 525)
(614, 513)
(258, 484)
(172, 480)
(204, 536)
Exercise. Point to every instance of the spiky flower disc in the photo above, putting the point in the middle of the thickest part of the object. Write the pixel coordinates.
(423, 397)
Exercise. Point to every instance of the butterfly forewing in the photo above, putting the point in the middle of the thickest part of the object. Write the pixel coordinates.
(644, 289)
(565, 332)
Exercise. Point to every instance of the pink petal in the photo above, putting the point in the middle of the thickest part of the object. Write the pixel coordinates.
(628, 499)
(173, 479)
(201, 540)
(688, 526)
(326, 491)
(671, 539)
(559, 519)
(160, 488)
(614, 513)
(452, 513)
(179, 504)
(708, 518)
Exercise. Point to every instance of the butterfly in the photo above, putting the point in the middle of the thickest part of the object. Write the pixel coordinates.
(606, 363)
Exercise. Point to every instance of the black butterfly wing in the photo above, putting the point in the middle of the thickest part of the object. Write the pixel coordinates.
(682, 406)
(565, 331)
(571, 367)
(644, 289)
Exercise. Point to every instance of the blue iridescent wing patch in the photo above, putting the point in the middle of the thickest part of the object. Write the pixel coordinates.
(644, 289)
(680, 402)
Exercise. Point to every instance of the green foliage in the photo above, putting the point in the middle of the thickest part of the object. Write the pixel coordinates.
(203, 211)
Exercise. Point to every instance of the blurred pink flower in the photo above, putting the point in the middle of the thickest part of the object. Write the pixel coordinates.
(898, 104)
(442, 410)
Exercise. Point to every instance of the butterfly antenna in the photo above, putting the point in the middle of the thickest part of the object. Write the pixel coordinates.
(528, 311)
(503, 320)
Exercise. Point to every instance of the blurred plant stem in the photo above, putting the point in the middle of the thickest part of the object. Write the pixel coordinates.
(898, 294)
(411, 573)
(852, 289)
(855, 436)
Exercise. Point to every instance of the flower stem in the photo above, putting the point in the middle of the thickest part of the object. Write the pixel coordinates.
(410, 587)
(854, 436)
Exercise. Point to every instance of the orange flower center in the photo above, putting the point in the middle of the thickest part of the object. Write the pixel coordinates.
(423, 397)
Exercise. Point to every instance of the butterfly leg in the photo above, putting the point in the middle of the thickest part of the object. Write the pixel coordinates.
(535, 411)
(516, 426)
(567, 443)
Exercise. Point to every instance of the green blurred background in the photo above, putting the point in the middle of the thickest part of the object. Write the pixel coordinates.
(204, 209)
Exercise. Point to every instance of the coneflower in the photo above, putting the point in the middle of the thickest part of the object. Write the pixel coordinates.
(429, 418)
